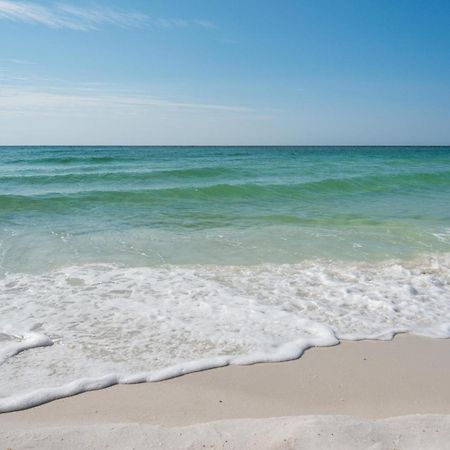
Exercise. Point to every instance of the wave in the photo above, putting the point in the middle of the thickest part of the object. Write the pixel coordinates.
(120, 176)
(110, 324)
(65, 160)
(407, 184)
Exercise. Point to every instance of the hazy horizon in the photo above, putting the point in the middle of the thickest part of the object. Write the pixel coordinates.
(226, 145)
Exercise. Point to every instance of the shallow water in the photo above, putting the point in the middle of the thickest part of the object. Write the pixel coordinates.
(126, 264)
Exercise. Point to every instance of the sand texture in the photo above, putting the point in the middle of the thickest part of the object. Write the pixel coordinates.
(340, 397)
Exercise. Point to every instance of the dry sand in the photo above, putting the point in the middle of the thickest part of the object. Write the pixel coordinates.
(369, 380)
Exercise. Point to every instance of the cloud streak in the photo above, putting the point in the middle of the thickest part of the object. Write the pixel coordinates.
(15, 99)
(64, 15)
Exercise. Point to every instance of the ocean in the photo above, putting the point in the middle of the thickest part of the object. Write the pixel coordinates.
(131, 264)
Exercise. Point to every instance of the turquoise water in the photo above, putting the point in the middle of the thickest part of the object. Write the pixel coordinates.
(142, 206)
(121, 265)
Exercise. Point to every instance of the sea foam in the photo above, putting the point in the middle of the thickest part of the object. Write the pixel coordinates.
(92, 326)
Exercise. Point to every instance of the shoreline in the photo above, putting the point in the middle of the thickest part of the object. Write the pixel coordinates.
(368, 379)
(354, 395)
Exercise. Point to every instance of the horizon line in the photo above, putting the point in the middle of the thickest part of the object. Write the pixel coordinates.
(223, 145)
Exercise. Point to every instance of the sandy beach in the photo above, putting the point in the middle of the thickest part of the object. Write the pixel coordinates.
(365, 394)
(224, 225)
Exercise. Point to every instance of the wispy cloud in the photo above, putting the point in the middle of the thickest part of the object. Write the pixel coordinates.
(21, 62)
(90, 18)
(19, 99)
(64, 15)
(34, 13)
(205, 24)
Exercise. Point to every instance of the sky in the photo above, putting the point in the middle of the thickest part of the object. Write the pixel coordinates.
(228, 72)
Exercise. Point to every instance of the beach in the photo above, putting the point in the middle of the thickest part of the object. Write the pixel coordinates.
(365, 394)
(224, 225)
(212, 291)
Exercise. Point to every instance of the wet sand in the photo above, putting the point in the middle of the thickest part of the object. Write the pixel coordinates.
(367, 380)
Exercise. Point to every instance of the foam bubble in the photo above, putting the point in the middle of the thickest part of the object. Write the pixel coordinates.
(19, 343)
(111, 324)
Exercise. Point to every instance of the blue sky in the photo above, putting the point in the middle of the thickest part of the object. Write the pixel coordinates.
(225, 72)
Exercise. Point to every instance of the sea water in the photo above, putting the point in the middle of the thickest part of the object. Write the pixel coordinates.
(129, 264)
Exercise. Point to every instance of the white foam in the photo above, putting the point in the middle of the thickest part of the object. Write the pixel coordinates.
(19, 343)
(111, 324)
